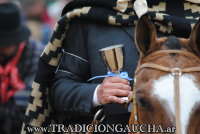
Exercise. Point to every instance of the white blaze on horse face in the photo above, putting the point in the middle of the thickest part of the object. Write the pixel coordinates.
(163, 89)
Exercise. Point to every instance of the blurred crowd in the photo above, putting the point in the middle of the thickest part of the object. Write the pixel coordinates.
(40, 16)
(25, 29)
(42, 20)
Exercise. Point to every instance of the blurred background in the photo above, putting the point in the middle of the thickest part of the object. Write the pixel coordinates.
(40, 16)
(25, 28)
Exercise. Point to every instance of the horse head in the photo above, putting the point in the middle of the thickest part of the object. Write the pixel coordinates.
(156, 100)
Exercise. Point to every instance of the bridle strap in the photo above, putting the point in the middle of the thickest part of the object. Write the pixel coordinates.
(132, 98)
(152, 66)
(135, 110)
(167, 69)
(177, 103)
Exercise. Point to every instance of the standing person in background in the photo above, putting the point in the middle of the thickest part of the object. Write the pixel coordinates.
(18, 64)
(37, 19)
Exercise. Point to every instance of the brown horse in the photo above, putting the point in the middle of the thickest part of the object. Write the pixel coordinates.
(167, 86)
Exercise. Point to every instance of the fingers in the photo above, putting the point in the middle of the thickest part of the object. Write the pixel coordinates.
(111, 89)
(117, 79)
(118, 92)
(115, 99)
(119, 86)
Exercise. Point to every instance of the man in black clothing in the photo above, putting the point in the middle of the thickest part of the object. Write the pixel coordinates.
(90, 26)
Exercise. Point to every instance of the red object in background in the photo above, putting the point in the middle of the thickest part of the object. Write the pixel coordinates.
(46, 18)
(10, 81)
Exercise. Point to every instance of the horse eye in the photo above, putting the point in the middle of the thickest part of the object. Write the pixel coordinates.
(143, 103)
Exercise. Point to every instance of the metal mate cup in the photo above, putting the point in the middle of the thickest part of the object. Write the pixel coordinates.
(113, 58)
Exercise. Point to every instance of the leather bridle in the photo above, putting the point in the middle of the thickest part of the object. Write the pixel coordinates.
(176, 72)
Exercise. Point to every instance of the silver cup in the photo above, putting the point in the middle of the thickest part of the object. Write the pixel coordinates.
(113, 58)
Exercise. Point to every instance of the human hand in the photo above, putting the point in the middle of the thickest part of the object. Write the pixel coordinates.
(111, 89)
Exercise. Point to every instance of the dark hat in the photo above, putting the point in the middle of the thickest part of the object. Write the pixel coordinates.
(12, 28)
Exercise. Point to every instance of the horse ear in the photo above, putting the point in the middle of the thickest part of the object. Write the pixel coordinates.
(145, 35)
(194, 41)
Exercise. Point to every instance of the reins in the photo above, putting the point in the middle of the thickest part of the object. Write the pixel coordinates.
(176, 72)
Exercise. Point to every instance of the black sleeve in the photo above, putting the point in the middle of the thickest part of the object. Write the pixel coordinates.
(70, 91)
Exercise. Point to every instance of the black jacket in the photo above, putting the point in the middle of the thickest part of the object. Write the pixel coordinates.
(70, 92)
